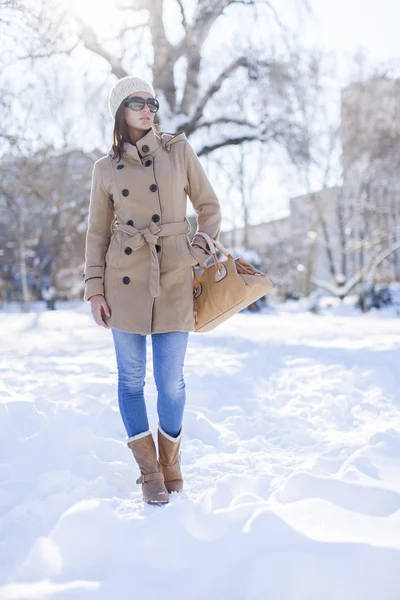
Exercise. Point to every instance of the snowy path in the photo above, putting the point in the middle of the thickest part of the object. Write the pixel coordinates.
(290, 453)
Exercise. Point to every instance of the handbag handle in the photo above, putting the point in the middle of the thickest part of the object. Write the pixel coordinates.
(221, 269)
(212, 244)
(242, 266)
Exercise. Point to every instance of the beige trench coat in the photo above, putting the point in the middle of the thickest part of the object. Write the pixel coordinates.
(138, 252)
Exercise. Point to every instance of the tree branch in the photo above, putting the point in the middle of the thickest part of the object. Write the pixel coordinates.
(225, 121)
(239, 62)
(91, 42)
(228, 142)
(368, 271)
(184, 21)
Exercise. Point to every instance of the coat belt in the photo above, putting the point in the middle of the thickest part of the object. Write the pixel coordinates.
(138, 237)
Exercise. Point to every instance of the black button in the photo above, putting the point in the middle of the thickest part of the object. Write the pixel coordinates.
(128, 250)
(120, 166)
(130, 222)
(153, 187)
(125, 192)
(126, 280)
(145, 148)
(148, 163)
(155, 218)
(158, 247)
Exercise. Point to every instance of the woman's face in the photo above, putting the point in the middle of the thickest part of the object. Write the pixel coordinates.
(141, 119)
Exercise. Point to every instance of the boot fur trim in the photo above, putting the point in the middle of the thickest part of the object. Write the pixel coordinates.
(138, 436)
(169, 437)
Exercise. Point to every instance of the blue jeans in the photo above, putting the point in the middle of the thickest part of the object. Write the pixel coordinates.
(169, 351)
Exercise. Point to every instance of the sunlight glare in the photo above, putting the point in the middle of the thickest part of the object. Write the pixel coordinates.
(99, 14)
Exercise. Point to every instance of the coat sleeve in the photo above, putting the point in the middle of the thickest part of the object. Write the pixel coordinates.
(205, 204)
(101, 215)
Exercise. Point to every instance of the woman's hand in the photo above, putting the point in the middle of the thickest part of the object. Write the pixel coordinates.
(99, 309)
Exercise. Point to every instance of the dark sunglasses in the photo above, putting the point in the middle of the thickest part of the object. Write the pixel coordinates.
(137, 103)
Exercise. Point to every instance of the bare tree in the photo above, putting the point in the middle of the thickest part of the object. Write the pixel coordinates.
(241, 172)
(45, 205)
(315, 155)
(24, 29)
(196, 101)
(368, 204)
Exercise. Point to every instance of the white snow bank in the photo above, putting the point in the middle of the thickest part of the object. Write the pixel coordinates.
(290, 454)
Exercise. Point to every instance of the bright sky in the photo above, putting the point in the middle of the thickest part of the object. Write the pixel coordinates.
(344, 26)
(341, 25)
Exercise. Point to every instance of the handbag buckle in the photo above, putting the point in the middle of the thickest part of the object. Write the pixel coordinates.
(197, 289)
(221, 272)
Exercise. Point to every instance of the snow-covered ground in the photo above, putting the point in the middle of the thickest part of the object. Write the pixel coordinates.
(290, 454)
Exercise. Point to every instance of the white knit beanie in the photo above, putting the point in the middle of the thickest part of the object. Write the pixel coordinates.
(125, 87)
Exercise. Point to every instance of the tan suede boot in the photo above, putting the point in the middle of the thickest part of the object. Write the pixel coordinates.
(152, 479)
(170, 458)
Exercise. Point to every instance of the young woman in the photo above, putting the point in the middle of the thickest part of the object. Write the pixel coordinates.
(138, 270)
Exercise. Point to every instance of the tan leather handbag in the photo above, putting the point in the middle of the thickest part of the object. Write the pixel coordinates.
(225, 287)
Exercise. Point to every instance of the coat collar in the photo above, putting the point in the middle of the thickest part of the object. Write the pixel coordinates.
(135, 152)
(170, 138)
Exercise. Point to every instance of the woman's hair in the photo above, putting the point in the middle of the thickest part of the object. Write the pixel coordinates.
(121, 132)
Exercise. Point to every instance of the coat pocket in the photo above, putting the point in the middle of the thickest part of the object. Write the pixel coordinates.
(120, 256)
(113, 252)
(183, 244)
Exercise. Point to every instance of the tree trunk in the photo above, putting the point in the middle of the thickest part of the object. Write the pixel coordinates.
(22, 261)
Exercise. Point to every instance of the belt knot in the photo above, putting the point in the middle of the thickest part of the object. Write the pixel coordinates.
(150, 234)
